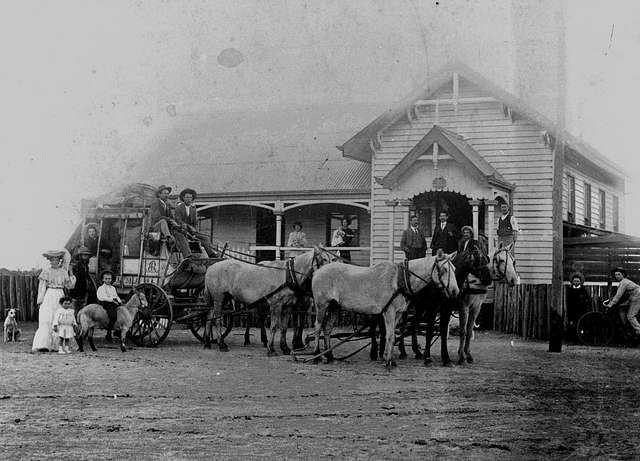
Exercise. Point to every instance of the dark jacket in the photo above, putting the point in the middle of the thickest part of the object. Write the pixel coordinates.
(413, 244)
(446, 239)
(159, 211)
(472, 245)
(181, 215)
(84, 286)
(578, 302)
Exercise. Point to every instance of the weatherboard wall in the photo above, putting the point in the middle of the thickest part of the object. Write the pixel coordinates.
(513, 146)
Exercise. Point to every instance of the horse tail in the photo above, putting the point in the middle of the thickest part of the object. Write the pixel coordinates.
(83, 321)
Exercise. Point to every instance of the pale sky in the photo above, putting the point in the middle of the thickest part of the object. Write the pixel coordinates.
(91, 87)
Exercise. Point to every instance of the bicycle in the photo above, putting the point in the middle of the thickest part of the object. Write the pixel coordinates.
(597, 328)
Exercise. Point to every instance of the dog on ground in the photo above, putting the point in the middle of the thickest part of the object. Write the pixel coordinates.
(11, 331)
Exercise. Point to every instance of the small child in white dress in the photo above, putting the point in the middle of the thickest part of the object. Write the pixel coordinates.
(64, 322)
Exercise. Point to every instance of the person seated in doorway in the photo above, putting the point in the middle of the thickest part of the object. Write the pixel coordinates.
(342, 237)
(187, 217)
(445, 235)
(91, 239)
(578, 303)
(413, 242)
(161, 220)
(627, 290)
(468, 243)
(297, 239)
(109, 300)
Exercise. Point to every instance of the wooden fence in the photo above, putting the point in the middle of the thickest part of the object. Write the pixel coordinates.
(19, 291)
(523, 310)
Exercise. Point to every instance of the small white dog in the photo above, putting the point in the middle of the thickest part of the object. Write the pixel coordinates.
(11, 326)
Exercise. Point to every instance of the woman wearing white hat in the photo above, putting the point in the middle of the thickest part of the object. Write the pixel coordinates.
(53, 281)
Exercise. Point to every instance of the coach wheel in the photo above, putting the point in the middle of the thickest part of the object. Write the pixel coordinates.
(152, 324)
(595, 329)
(197, 324)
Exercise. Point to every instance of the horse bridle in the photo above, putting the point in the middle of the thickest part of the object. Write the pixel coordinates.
(437, 269)
(495, 263)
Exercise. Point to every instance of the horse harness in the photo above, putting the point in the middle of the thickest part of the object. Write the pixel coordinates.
(495, 263)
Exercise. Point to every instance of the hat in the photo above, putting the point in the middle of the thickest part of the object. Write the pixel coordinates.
(161, 188)
(469, 228)
(83, 250)
(65, 298)
(53, 254)
(619, 269)
(187, 191)
(577, 274)
(105, 272)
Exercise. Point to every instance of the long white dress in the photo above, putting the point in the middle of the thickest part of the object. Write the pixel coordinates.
(50, 290)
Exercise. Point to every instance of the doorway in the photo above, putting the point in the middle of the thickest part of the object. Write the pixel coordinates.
(428, 205)
(266, 233)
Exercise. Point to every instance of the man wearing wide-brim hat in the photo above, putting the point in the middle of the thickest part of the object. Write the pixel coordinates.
(187, 217)
(84, 291)
(631, 291)
(161, 219)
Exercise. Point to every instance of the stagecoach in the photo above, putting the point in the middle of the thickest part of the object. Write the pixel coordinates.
(125, 244)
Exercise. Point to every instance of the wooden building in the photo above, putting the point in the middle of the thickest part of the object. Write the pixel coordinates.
(463, 144)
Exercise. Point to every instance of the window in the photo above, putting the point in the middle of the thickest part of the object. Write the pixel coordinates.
(571, 195)
(616, 214)
(587, 204)
(603, 209)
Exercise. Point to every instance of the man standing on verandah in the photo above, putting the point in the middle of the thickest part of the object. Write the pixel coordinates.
(507, 227)
(413, 242)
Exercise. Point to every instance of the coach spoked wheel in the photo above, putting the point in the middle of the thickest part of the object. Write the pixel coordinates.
(152, 324)
(197, 325)
(595, 329)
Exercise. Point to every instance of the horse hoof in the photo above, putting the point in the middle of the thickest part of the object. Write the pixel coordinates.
(461, 361)
(207, 345)
(223, 347)
(373, 357)
(419, 355)
(448, 364)
(271, 353)
(469, 359)
(329, 357)
(316, 360)
(393, 363)
(286, 351)
(402, 356)
(123, 349)
(246, 343)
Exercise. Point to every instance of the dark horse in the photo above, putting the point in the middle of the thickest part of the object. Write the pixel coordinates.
(429, 302)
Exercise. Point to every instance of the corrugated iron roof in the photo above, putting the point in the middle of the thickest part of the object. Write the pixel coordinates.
(265, 176)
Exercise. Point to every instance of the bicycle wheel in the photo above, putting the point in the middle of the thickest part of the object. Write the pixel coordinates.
(595, 329)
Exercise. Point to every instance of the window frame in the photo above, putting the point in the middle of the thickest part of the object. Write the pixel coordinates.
(603, 208)
(571, 198)
(587, 204)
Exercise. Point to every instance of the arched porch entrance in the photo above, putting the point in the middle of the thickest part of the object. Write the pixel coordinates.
(428, 205)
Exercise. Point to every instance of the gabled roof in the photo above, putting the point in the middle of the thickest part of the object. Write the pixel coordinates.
(455, 146)
(359, 146)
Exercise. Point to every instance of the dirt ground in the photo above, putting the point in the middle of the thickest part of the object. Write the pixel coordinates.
(179, 401)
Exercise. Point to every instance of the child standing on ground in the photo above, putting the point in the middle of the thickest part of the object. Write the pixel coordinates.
(64, 322)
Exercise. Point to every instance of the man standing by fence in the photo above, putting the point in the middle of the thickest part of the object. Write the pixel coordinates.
(413, 242)
(84, 290)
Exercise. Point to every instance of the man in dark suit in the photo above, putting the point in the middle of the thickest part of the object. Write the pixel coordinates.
(445, 235)
(161, 219)
(84, 291)
(413, 242)
(187, 218)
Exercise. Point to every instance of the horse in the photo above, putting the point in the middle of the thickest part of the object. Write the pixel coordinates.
(278, 283)
(429, 302)
(477, 274)
(364, 289)
(94, 315)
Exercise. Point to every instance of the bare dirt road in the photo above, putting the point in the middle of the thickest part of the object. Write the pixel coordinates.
(179, 401)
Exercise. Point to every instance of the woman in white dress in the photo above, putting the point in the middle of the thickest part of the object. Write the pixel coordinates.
(53, 281)
(297, 238)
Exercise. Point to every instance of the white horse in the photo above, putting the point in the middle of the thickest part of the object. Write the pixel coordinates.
(501, 266)
(278, 283)
(376, 290)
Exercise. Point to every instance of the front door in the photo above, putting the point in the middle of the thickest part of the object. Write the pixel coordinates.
(265, 234)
